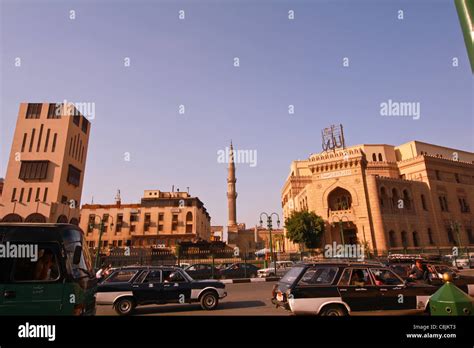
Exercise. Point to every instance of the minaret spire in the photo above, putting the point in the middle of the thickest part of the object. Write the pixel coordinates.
(231, 193)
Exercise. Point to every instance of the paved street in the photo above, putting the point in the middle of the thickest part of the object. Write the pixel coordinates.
(242, 299)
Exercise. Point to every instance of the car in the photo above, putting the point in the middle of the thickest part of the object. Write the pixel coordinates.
(281, 268)
(344, 288)
(460, 262)
(239, 270)
(435, 275)
(202, 271)
(129, 287)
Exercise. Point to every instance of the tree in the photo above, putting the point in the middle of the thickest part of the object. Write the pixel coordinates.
(305, 227)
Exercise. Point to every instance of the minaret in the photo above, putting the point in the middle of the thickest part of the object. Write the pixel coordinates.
(231, 194)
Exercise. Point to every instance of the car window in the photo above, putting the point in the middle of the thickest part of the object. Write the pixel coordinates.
(192, 268)
(291, 275)
(385, 277)
(122, 276)
(153, 277)
(44, 269)
(345, 277)
(318, 276)
(360, 277)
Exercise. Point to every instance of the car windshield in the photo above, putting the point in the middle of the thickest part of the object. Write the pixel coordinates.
(291, 275)
(84, 267)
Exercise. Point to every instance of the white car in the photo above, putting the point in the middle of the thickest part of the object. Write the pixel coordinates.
(461, 261)
(281, 268)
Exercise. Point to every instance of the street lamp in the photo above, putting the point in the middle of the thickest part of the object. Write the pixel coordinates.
(340, 220)
(101, 231)
(37, 200)
(455, 227)
(269, 226)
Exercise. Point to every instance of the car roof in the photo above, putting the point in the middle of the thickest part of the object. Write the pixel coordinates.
(341, 263)
(138, 267)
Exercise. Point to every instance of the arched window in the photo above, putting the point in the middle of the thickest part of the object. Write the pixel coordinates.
(415, 239)
(383, 197)
(406, 199)
(339, 199)
(423, 202)
(404, 239)
(395, 198)
(62, 219)
(189, 222)
(374, 157)
(392, 239)
(380, 157)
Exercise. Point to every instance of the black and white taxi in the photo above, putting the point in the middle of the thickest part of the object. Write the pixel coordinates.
(342, 288)
(128, 287)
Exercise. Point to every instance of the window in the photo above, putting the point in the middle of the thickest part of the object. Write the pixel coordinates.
(37, 197)
(360, 277)
(91, 223)
(153, 277)
(54, 111)
(385, 277)
(85, 125)
(33, 170)
(392, 239)
(464, 205)
(45, 196)
(123, 276)
(406, 200)
(118, 227)
(133, 217)
(74, 176)
(438, 175)
(470, 235)
(48, 132)
(161, 216)
(174, 222)
(22, 191)
(450, 234)
(345, 277)
(430, 236)
(64, 200)
(374, 157)
(30, 191)
(44, 269)
(423, 202)
(32, 139)
(33, 110)
(404, 239)
(23, 143)
(456, 177)
(380, 157)
(415, 239)
(13, 195)
(443, 202)
(318, 276)
(54, 142)
(39, 138)
(146, 226)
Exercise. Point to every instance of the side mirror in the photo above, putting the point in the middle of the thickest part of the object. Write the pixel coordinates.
(76, 259)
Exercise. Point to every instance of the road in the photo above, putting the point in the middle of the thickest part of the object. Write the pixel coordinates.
(242, 299)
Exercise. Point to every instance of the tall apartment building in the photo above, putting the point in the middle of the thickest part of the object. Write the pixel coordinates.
(160, 219)
(415, 195)
(45, 172)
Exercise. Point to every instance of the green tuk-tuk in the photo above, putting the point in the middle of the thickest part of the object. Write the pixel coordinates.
(45, 269)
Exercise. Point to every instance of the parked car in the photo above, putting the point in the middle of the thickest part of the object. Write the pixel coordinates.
(224, 265)
(460, 262)
(342, 288)
(202, 271)
(281, 268)
(129, 287)
(239, 270)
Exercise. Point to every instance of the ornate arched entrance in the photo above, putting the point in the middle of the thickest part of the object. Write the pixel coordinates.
(12, 218)
(62, 219)
(36, 217)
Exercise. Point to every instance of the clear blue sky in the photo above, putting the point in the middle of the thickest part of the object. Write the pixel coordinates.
(190, 62)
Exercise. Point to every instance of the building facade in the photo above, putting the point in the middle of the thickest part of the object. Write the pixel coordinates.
(415, 195)
(45, 172)
(161, 219)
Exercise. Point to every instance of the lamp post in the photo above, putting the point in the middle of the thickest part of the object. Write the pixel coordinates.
(340, 220)
(37, 200)
(14, 205)
(455, 227)
(269, 226)
(101, 231)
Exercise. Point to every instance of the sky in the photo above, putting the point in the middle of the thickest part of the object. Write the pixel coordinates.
(139, 140)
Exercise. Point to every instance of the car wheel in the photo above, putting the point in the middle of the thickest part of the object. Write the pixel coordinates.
(124, 306)
(333, 311)
(209, 300)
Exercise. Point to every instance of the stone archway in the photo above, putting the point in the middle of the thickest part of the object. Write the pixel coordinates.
(36, 217)
(12, 218)
(74, 221)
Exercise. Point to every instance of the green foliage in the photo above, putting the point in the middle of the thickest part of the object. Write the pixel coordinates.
(306, 228)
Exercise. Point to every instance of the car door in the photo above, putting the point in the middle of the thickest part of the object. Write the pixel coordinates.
(35, 286)
(176, 287)
(357, 289)
(391, 288)
(148, 288)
